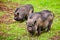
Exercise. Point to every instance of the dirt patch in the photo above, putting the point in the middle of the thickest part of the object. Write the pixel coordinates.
(56, 37)
(9, 7)
(3, 33)
(6, 18)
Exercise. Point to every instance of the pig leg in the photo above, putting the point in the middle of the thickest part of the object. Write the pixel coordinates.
(25, 17)
(49, 26)
(42, 29)
(38, 30)
(32, 33)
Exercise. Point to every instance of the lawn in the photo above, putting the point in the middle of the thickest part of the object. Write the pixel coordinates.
(13, 30)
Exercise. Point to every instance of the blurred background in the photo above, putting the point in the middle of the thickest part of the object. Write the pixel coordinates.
(13, 30)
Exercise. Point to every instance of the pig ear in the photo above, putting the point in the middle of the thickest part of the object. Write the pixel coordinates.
(16, 9)
(31, 11)
(39, 19)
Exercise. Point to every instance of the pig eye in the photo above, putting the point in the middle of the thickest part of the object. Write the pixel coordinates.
(17, 13)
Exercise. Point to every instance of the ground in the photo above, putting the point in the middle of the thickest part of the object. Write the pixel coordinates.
(13, 30)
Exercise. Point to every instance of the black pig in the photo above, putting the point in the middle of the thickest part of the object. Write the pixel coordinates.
(22, 12)
(39, 21)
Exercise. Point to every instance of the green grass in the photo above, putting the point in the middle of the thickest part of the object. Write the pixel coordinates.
(17, 30)
(1, 13)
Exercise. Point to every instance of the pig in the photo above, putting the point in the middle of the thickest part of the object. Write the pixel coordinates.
(21, 13)
(39, 21)
(31, 22)
(47, 19)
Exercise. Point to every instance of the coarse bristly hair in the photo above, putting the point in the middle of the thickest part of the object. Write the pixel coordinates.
(22, 12)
